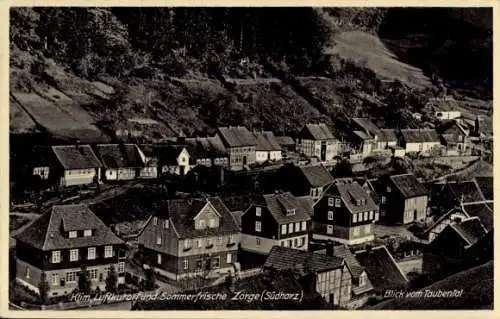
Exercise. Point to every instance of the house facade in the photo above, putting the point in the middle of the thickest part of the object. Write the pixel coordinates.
(330, 274)
(240, 144)
(121, 161)
(455, 215)
(207, 151)
(403, 199)
(455, 137)
(345, 213)
(422, 141)
(304, 180)
(167, 158)
(189, 238)
(316, 140)
(276, 220)
(63, 241)
(267, 148)
(76, 165)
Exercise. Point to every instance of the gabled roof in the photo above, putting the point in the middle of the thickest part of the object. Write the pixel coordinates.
(466, 191)
(367, 125)
(277, 204)
(408, 185)
(206, 147)
(76, 156)
(46, 232)
(342, 251)
(381, 268)
(285, 140)
(166, 154)
(483, 211)
(316, 132)
(419, 135)
(351, 192)
(453, 127)
(454, 210)
(266, 141)
(120, 155)
(237, 136)
(471, 230)
(284, 258)
(387, 135)
(316, 176)
(182, 212)
(362, 135)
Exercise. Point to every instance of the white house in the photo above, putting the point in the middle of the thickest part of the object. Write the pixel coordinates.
(316, 140)
(267, 147)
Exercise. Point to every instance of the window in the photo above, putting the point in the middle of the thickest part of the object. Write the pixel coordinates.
(354, 218)
(73, 255)
(158, 259)
(91, 253)
(329, 229)
(209, 242)
(158, 240)
(258, 211)
(229, 258)
(285, 243)
(362, 279)
(356, 231)
(257, 241)
(73, 234)
(297, 227)
(301, 242)
(382, 199)
(371, 214)
(304, 226)
(71, 276)
(186, 264)
(108, 251)
(199, 264)
(376, 216)
(198, 243)
(331, 201)
(155, 221)
(202, 223)
(121, 267)
(165, 224)
(27, 272)
(93, 274)
(290, 212)
(289, 243)
(55, 280)
(330, 215)
(295, 242)
(290, 228)
(337, 202)
(187, 244)
(56, 257)
(360, 217)
(211, 223)
(283, 229)
(87, 233)
(366, 216)
(216, 262)
(258, 227)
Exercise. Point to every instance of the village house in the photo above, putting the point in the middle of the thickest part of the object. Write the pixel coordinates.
(450, 194)
(382, 270)
(370, 138)
(403, 199)
(276, 219)
(304, 180)
(208, 151)
(286, 142)
(455, 137)
(446, 253)
(362, 288)
(240, 144)
(329, 274)
(76, 165)
(454, 215)
(423, 141)
(445, 108)
(189, 238)
(267, 148)
(60, 243)
(345, 213)
(168, 158)
(316, 140)
(121, 161)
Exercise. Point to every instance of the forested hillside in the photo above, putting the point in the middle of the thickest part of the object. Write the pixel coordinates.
(184, 67)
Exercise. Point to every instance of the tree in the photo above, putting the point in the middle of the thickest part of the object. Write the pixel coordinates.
(111, 280)
(43, 288)
(84, 284)
(150, 281)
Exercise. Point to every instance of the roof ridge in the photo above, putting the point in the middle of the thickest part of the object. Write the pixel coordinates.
(51, 212)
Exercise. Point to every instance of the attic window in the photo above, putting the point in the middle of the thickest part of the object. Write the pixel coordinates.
(73, 234)
(87, 233)
(258, 211)
(165, 224)
(290, 211)
(337, 202)
(155, 221)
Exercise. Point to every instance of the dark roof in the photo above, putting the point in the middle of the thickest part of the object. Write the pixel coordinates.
(237, 217)
(466, 191)
(443, 104)
(454, 128)
(367, 125)
(485, 184)
(120, 155)
(387, 135)
(408, 185)
(284, 258)
(46, 232)
(206, 147)
(166, 154)
(342, 251)
(266, 141)
(285, 140)
(382, 269)
(237, 136)
(76, 156)
(317, 175)
(454, 210)
(351, 192)
(277, 204)
(316, 132)
(419, 135)
(449, 139)
(182, 212)
(362, 135)
(483, 212)
(471, 230)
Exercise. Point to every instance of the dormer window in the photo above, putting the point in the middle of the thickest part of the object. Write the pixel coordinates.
(290, 211)
(362, 279)
(87, 233)
(158, 240)
(258, 211)
(330, 201)
(73, 234)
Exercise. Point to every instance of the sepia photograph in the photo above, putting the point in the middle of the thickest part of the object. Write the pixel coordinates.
(250, 158)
